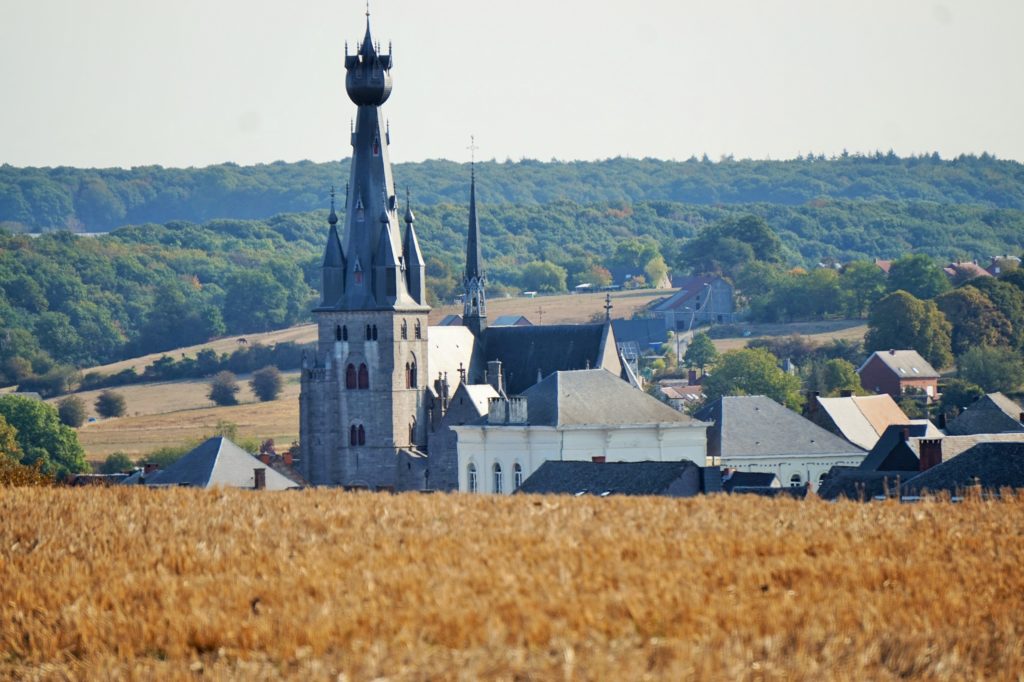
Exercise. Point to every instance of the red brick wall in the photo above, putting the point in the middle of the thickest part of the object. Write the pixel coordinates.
(876, 377)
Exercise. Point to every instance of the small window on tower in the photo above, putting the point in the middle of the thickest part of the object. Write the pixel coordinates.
(350, 376)
(419, 330)
(362, 435)
(364, 377)
(337, 333)
(369, 332)
(353, 435)
(405, 329)
(374, 332)
(344, 333)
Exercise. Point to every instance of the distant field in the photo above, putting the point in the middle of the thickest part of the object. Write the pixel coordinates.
(818, 332)
(323, 584)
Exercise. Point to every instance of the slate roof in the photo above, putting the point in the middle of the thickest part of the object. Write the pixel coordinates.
(863, 419)
(218, 462)
(749, 479)
(858, 484)
(447, 347)
(595, 397)
(688, 288)
(565, 477)
(953, 446)
(479, 395)
(992, 413)
(991, 465)
(548, 348)
(510, 320)
(892, 453)
(646, 333)
(759, 426)
(906, 364)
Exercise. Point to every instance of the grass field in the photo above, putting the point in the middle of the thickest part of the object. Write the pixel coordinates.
(322, 584)
(816, 332)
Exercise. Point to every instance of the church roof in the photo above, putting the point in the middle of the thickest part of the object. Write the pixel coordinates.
(448, 348)
(219, 462)
(990, 465)
(524, 351)
(595, 397)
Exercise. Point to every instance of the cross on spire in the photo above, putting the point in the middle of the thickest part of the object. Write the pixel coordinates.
(472, 155)
(608, 307)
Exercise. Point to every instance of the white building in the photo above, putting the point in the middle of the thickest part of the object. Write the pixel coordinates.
(579, 415)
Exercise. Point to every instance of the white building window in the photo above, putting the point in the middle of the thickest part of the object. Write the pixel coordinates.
(517, 472)
(471, 475)
(497, 479)
(795, 481)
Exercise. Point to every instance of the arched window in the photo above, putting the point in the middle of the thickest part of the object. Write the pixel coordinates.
(364, 377)
(361, 433)
(497, 479)
(408, 376)
(795, 480)
(369, 333)
(374, 332)
(517, 472)
(344, 333)
(412, 374)
(337, 333)
(412, 432)
(353, 435)
(419, 330)
(405, 329)
(350, 376)
(471, 475)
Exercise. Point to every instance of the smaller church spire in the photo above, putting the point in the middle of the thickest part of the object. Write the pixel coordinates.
(333, 217)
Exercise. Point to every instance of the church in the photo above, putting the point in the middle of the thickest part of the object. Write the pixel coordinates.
(383, 391)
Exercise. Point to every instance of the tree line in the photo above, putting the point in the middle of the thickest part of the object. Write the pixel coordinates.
(39, 199)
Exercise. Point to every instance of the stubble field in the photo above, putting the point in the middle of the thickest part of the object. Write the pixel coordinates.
(318, 584)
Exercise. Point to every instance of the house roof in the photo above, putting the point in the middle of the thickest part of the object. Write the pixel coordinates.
(964, 270)
(688, 288)
(906, 364)
(748, 479)
(893, 453)
(883, 265)
(645, 332)
(547, 348)
(952, 446)
(450, 321)
(759, 426)
(862, 419)
(509, 320)
(854, 483)
(568, 477)
(992, 413)
(218, 462)
(478, 395)
(595, 397)
(990, 465)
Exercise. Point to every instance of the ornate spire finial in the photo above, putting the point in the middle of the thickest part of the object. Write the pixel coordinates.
(409, 217)
(367, 9)
(608, 307)
(472, 157)
(333, 217)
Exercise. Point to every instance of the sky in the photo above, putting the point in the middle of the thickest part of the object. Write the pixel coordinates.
(100, 83)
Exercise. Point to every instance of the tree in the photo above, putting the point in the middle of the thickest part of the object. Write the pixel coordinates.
(958, 394)
(656, 270)
(975, 321)
(918, 275)
(223, 388)
(9, 447)
(266, 383)
(14, 474)
(899, 320)
(839, 375)
(41, 436)
(254, 301)
(701, 352)
(111, 404)
(862, 283)
(543, 276)
(116, 463)
(71, 411)
(1009, 300)
(752, 371)
(994, 369)
(726, 246)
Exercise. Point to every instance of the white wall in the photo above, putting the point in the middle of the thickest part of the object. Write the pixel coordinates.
(809, 468)
(531, 446)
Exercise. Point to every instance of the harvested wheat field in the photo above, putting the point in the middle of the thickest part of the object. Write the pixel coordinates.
(323, 584)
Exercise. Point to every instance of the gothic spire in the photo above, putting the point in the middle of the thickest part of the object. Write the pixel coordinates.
(474, 261)
(474, 295)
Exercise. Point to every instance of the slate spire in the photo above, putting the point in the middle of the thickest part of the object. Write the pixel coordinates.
(415, 274)
(333, 270)
(474, 281)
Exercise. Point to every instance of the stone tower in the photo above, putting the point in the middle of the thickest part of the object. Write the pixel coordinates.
(474, 299)
(362, 400)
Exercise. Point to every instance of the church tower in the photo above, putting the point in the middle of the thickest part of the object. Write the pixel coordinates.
(362, 401)
(474, 299)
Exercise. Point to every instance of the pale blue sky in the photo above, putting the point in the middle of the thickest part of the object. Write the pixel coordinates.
(194, 82)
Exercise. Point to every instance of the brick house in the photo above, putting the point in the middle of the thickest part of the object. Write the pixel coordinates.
(897, 371)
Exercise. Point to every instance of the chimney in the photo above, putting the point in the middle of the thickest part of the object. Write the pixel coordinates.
(598, 459)
(494, 376)
(846, 393)
(149, 468)
(1020, 418)
(812, 402)
(931, 453)
(892, 351)
(264, 457)
(691, 377)
(261, 478)
(942, 421)
(289, 459)
(905, 434)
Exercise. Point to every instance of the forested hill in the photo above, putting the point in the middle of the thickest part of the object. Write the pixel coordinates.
(41, 199)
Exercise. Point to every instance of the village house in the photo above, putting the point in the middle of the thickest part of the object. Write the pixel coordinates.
(755, 433)
(898, 372)
(216, 462)
(572, 415)
(991, 413)
(701, 299)
(860, 419)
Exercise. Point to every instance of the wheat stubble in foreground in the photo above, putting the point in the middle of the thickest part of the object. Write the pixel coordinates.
(171, 583)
